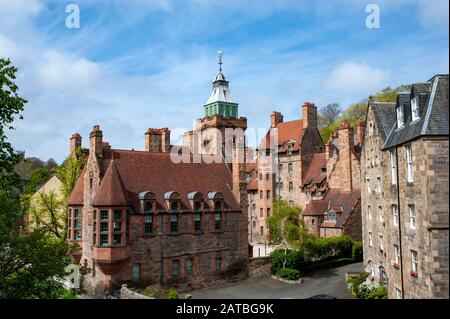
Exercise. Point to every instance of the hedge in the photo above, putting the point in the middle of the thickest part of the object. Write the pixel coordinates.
(318, 251)
(357, 251)
(288, 273)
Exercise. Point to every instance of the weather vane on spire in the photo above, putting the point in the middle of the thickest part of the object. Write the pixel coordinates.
(220, 55)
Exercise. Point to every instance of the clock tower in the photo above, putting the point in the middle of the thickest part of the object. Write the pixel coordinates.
(221, 132)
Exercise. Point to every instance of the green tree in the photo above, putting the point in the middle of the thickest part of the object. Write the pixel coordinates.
(355, 113)
(285, 224)
(37, 177)
(32, 263)
(69, 171)
(11, 105)
(390, 95)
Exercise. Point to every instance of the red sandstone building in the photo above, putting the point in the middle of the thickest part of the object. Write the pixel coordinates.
(323, 180)
(139, 218)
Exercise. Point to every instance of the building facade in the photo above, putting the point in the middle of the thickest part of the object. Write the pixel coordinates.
(404, 194)
(141, 217)
(283, 157)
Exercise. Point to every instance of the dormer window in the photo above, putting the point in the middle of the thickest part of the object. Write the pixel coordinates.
(148, 207)
(172, 201)
(289, 150)
(415, 109)
(400, 117)
(174, 206)
(148, 203)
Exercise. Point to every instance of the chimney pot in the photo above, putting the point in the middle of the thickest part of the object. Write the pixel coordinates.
(309, 111)
(275, 119)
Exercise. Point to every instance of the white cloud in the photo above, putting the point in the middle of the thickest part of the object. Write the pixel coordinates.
(60, 72)
(357, 78)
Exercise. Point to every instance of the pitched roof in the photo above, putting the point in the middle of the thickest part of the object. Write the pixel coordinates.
(287, 131)
(433, 106)
(111, 191)
(341, 202)
(76, 197)
(384, 114)
(316, 172)
(252, 183)
(134, 172)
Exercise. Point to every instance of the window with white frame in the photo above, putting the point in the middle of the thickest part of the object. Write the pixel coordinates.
(380, 214)
(398, 293)
(414, 261)
(381, 243)
(412, 216)
(370, 240)
(369, 190)
(393, 167)
(409, 162)
(400, 117)
(396, 254)
(394, 215)
(415, 109)
(379, 185)
(369, 212)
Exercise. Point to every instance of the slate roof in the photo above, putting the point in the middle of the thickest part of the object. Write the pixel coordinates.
(384, 114)
(433, 103)
(133, 172)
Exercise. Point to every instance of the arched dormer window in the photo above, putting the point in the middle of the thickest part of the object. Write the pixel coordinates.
(197, 203)
(148, 202)
(173, 201)
(218, 206)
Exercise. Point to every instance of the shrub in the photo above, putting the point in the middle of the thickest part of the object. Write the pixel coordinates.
(365, 289)
(320, 249)
(378, 293)
(293, 259)
(288, 273)
(355, 281)
(173, 293)
(357, 251)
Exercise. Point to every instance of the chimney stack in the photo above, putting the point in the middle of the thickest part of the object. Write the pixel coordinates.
(96, 142)
(75, 143)
(360, 131)
(345, 142)
(275, 118)
(157, 140)
(309, 111)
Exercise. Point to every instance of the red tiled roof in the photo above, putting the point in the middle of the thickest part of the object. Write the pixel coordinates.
(141, 171)
(251, 168)
(111, 191)
(341, 202)
(291, 130)
(76, 197)
(315, 173)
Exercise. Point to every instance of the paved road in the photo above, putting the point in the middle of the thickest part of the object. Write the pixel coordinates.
(329, 281)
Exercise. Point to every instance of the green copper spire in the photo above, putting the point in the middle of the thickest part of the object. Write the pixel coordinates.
(220, 101)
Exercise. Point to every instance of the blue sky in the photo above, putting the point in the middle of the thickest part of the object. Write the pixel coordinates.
(137, 64)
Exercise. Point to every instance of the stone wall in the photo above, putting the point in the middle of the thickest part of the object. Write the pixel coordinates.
(259, 267)
(126, 293)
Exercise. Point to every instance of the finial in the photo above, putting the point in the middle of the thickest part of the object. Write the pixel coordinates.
(220, 55)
